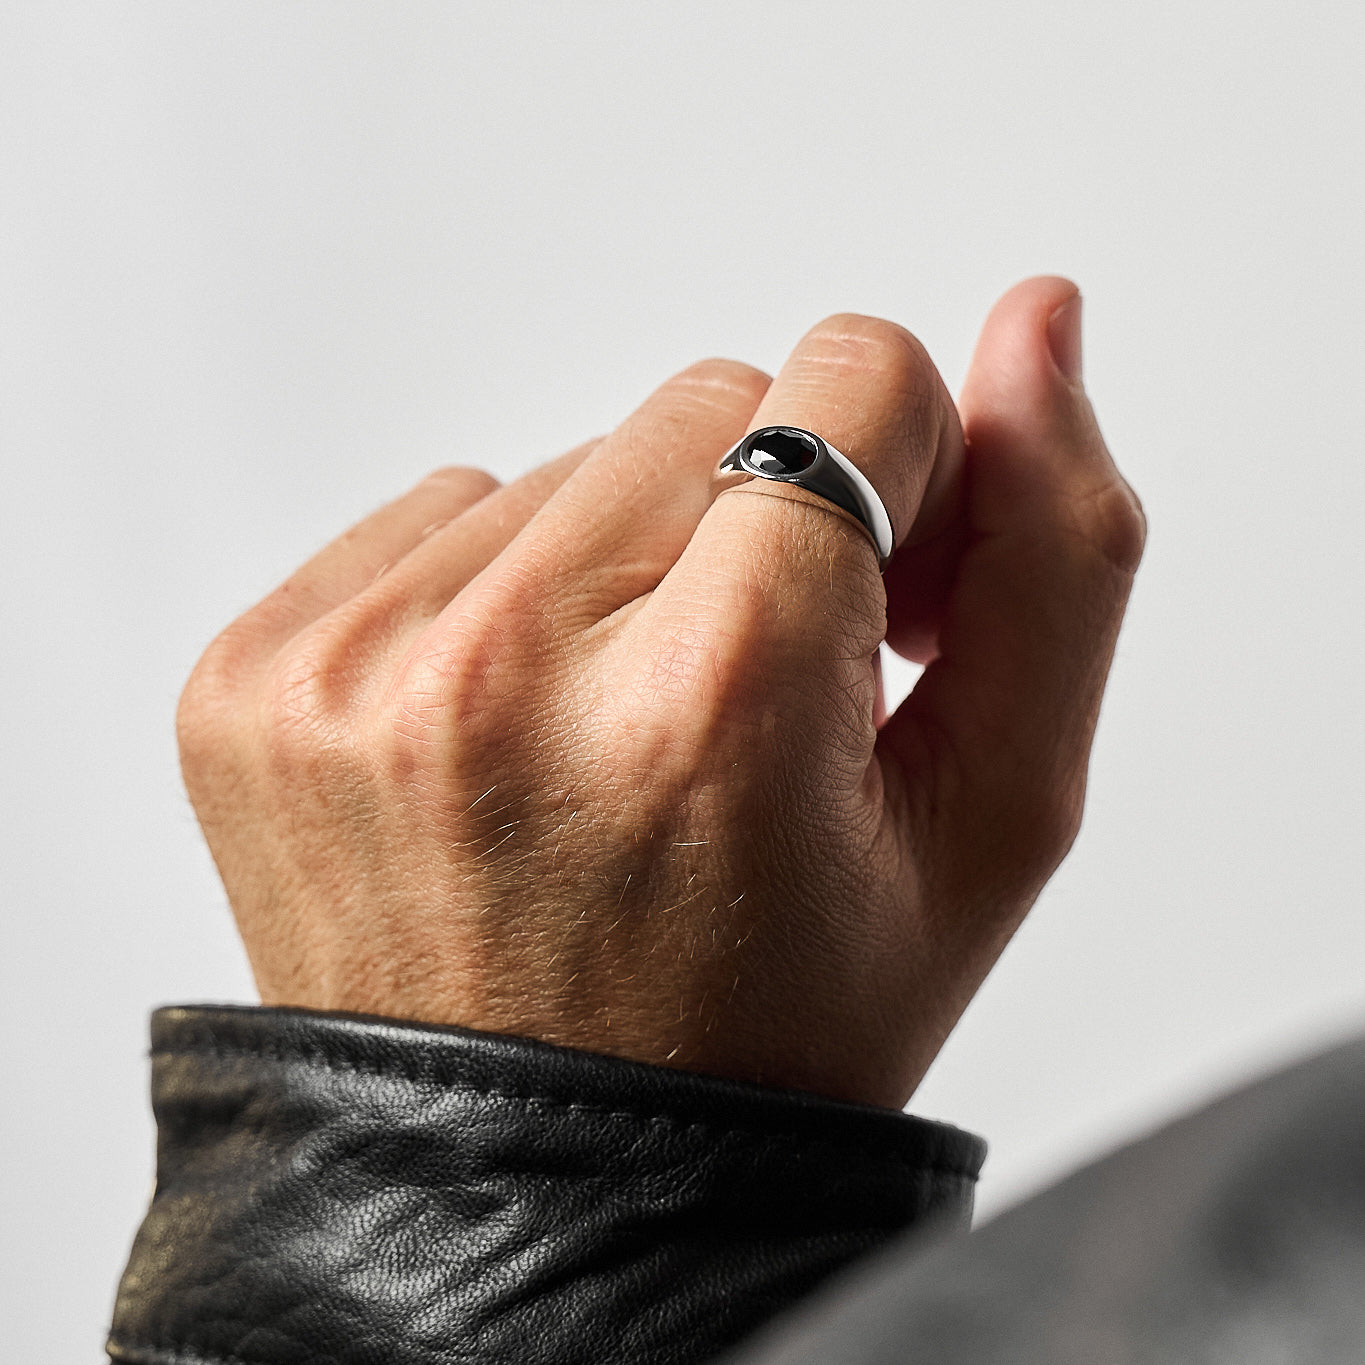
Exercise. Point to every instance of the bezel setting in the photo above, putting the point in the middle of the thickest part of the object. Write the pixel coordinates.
(796, 456)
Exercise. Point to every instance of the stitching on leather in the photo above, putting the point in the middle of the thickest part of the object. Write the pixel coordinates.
(179, 1355)
(172, 1353)
(264, 1052)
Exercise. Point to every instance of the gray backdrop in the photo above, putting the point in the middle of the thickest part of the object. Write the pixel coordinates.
(262, 265)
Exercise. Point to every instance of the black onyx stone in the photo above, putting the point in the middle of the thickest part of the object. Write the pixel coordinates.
(782, 451)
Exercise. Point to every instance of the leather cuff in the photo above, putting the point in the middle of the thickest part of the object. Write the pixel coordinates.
(352, 1189)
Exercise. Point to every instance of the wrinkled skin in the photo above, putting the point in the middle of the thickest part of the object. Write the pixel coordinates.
(599, 757)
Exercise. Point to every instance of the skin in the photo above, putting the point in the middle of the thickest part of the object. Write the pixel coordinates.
(599, 757)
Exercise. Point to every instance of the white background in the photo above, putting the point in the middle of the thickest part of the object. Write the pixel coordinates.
(263, 265)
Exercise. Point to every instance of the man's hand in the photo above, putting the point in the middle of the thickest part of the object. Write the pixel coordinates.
(595, 757)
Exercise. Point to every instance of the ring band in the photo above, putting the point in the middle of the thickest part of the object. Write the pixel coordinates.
(797, 456)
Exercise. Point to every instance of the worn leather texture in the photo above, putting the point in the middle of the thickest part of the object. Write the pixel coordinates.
(1233, 1237)
(339, 1190)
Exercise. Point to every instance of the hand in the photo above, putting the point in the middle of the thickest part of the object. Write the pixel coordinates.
(595, 757)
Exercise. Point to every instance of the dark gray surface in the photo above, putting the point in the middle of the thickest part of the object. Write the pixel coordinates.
(1234, 1237)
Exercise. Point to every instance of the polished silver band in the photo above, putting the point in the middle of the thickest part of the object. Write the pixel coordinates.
(797, 456)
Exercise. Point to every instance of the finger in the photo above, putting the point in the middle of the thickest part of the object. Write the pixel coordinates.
(619, 524)
(359, 563)
(918, 580)
(787, 585)
(869, 388)
(353, 560)
(424, 581)
(993, 742)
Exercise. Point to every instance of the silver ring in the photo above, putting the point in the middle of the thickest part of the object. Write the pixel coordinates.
(797, 456)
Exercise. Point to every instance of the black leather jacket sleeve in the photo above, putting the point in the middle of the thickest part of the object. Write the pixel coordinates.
(333, 1188)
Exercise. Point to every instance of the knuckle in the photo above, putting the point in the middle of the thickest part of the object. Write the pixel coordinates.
(683, 703)
(463, 482)
(448, 693)
(198, 726)
(675, 673)
(1112, 520)
(307, 690)
(213, 695)
(1054, 821)
(724, 383)
(874, 346)
(209, 684)
(443, 692)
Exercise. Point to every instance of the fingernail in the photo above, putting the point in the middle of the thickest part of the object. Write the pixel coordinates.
(1064, 338)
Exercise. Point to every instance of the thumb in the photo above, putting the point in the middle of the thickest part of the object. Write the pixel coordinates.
(992, 746)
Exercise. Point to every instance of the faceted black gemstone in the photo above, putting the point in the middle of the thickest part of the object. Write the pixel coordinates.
(782, 451)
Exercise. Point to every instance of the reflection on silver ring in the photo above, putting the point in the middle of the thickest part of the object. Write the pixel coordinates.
(797, 456)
